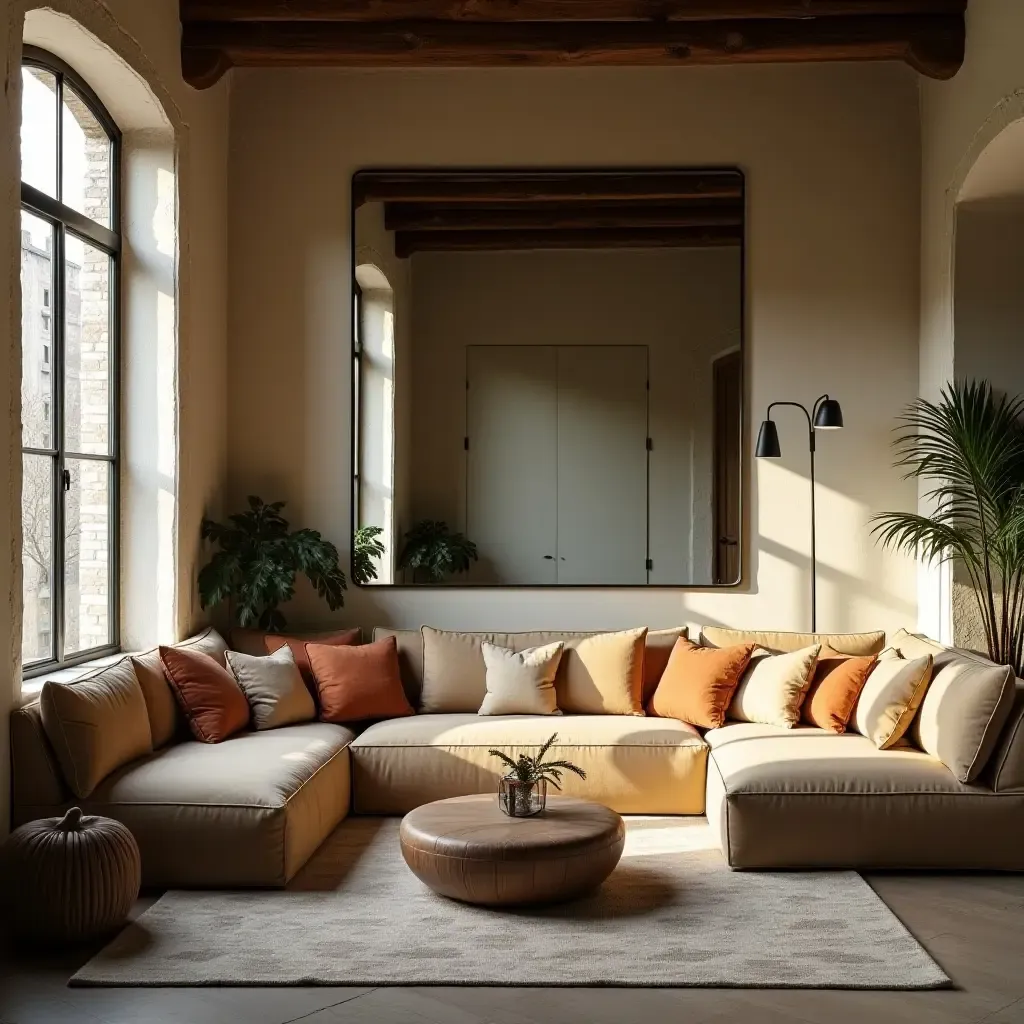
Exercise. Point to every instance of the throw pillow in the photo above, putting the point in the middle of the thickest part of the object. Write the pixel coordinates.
(856, 644)
(274, 688)
(358, 683)
(604, 675)
(343, 638)
(523, 683)
(208, 695)
(699, 682)
(96, 725)
(164, 714)
(891, 697)
(773, 688)
(835, 688)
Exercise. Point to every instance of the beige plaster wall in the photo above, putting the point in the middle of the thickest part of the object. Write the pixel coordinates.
(960, 120)
(832, 158)
(145, 37)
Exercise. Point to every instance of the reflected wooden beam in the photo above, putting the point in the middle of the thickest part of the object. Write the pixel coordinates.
(490, 187)
(932, 44)
(409, 242)
(550, 216)
(550, 10)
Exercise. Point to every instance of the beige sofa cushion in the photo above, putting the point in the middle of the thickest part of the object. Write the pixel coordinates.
(773, 688)
(246, 812)
(890, 699)
(806, 798)
(853, 644)
(633, 765)
(164, 715)
(523, 683)
(96, 724)
(965, 708)
(460, 688)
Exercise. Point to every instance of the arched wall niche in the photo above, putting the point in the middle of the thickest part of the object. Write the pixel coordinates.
(154, 280)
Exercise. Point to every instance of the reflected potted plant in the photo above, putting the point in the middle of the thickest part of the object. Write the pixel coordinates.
(523, 791)
(366, 549)
(432, 550)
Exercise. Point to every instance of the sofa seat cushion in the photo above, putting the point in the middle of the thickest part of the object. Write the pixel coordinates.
(633, 765)
(807, 798)
(248, 811)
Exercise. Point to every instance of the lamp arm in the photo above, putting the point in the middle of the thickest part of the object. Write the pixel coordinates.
(807, 415)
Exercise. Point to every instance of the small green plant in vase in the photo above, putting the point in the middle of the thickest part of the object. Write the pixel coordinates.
(523, 791)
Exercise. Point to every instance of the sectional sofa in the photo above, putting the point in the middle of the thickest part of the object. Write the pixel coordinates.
(251, 811)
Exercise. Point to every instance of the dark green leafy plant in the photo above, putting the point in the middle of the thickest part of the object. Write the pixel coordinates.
(366, 548)
(528, 770)
(970, 446)
(432, 551)
(259, 558)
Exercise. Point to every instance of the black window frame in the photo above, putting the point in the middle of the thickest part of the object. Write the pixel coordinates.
(64, 220)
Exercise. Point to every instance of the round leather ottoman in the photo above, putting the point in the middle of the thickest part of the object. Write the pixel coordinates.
(466, 848)
(69, 879)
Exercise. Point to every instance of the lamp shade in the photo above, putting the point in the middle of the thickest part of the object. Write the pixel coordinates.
(829, 416)
(768, 441)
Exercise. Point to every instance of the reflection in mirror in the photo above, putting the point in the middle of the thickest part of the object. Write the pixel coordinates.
(547, 378)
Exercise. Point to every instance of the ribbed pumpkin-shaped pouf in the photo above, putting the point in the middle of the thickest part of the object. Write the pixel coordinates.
(69, 879)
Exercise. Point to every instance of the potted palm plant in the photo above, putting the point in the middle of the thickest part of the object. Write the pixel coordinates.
(523, 791)
(969, 446)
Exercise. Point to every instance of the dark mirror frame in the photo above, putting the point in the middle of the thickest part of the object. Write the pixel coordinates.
(641, 185)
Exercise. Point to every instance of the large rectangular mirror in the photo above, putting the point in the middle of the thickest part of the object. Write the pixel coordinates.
(547, 378)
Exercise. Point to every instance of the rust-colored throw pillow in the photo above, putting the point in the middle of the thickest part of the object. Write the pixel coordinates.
(837, 683)
(358, 683)
(207, 693)
(698, 683)
(343, 638)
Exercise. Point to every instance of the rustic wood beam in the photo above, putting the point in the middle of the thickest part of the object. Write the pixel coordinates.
(555, 216)
(409, 242)
(932, 44)
(550, 10)
(476, 187)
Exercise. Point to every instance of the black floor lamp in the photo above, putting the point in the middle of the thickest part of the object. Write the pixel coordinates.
(826, 415)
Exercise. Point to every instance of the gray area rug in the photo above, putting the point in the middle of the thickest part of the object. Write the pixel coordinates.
(672, 914)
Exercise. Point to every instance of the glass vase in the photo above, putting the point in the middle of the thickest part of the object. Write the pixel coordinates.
(522, 799)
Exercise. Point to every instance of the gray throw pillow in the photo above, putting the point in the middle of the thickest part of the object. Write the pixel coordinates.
(273, 687)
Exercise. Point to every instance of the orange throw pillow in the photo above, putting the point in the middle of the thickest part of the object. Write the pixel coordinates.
(207, 693)
(358, 683)
(838, 680)
(698, 683)
(343, 638)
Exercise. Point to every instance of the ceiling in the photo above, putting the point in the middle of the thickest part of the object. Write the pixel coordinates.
(218, 35)
(503, 210)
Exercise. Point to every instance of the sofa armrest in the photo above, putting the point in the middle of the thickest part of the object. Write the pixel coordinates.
(1005, 770)
(35, 775)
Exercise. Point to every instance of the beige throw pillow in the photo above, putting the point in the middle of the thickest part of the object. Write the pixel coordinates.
(852, 644)
(96, 725)
(453, 671)
(273, 686)
(773, 688)
(604, 675)
(523, 683)
(891, 698)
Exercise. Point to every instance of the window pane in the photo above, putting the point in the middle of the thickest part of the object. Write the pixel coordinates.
(37, 558)
(39, 129)
(86, 348)
(36, 332)
(87, 547)
(86, 173)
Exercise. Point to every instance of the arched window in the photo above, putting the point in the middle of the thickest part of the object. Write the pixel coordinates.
(70, 252)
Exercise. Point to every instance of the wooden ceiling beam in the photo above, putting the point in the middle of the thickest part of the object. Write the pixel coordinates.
(409, 242)
(491, 187)
(554, 216)
(550, 10)
(932, 44)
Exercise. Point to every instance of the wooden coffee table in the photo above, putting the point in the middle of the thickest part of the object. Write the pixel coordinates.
(466, 848)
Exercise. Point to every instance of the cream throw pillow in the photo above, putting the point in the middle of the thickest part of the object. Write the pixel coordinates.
(891, 698)
(773, 688)
(96, 725)
(523, 683)
(604, 675)
(273, 686)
